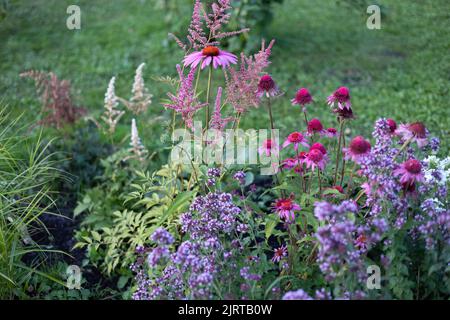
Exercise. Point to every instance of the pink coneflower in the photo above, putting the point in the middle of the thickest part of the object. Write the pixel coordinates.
(267, 86)
(285, 208)
(331, 132)
(289, 163)
(409, 171)
(302, 156)
(414, 131)
(392, 125)
(269, 147)
(358, 148)
(279, 253)
(319, 147)
(208, 55)
(302, 97)
(315, 158)
(295, 138)
(342, 97)
(315, 126)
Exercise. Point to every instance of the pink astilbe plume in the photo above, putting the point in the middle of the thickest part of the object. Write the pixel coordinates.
(205, 28)
(217, 122)
(185, 102)
(242, 84)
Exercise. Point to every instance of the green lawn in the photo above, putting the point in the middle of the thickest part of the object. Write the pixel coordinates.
(401, 71)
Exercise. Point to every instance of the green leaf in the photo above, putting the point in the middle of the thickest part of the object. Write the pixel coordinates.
(271, 222)
(178, 204)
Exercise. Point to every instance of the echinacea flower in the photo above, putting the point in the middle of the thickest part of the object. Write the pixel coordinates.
(315, 126)
(410, 171)
(279, 253)
(302, 97)
(358, 148)
(208, 55)
(267, 86)
(342, 97)
(315, 158)
(285, 208)
(295, 138)
(392, 125)
(331, 132)
(319, 147)
(268, 148)
(289, 163)
(415, 132)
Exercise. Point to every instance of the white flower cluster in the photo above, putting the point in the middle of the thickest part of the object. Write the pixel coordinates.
(436, 169)
(137, 148)
(111, 115)
(141, 99)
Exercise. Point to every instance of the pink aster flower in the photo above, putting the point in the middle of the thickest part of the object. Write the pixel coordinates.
(342, 97)
(331, 132)
(315, 126)
(295, 138)
(358, 148)
(409, 171)
(315, 158)
(302, 97)
(269, 147)
(267, 86)
(208, 55)
(285, 208)
(415, 131)
(279, 253)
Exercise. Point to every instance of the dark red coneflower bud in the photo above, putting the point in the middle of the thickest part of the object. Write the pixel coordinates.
(319, 147)
(338, 188)
(392, 125)
(344, 113)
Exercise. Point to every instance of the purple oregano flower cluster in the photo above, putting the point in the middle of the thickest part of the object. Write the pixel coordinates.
(209, 253)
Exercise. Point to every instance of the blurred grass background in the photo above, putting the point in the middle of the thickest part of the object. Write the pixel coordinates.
(401, 71)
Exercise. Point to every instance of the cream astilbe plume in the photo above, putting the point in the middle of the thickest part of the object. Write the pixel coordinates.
(140, 99)
(137, 148)
(111, 116)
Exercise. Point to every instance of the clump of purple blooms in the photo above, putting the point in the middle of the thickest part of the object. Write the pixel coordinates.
(211, 252)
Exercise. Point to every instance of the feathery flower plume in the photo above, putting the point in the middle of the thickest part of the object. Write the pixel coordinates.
(136, 146)
(111, 115)
(242, 83)
(185, 103)
(141, 99)
(217, 122)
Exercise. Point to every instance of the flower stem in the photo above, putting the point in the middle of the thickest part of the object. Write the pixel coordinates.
(269, 105)
(320, 182)
(338, 151)
(208, 90)
(407, 142)
(306, 119)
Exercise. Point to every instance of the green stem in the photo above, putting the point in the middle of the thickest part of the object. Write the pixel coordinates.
(338, 151)
(208, 90)
(269, 106)
(320, 182)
